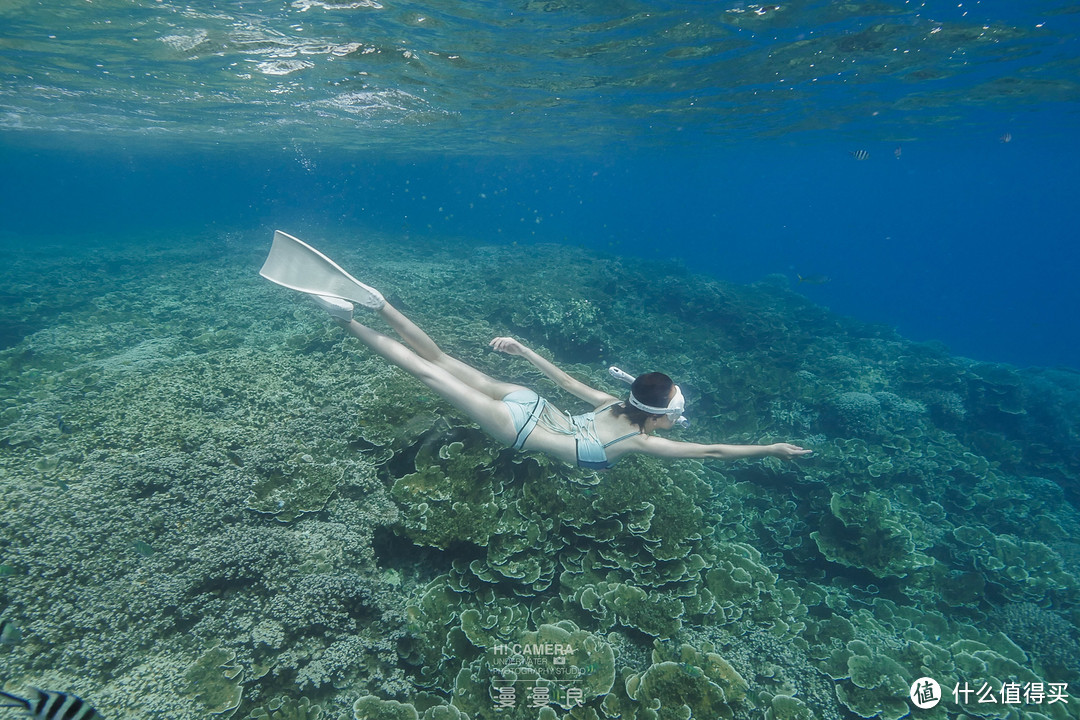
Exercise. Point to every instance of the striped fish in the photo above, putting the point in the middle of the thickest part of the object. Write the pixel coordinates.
(49, 705)
(859, 154)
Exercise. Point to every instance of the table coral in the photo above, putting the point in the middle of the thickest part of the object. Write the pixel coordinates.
(786, 707)
(215, 681)
(444, 505)
(305, 488)
(868, 532)
(684, 683)
(372, 708)
(284, 708)
(581, 658)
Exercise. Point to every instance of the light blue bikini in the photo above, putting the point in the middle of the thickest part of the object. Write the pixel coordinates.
(525, 407)
(526, 410)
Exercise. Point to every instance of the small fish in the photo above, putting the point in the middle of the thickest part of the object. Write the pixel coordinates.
(859, 154)
(691, 670)
(9, 632)
(49, 705)
(64, 427)
(1006, 138)
(813, 279)
(897, 152)
(142, 547)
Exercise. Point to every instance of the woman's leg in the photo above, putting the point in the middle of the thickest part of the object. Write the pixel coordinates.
(490, 413)
(426, 348)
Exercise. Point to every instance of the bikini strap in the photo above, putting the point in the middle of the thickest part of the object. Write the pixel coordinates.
(624, 437)
(616, 440)
(530, 423)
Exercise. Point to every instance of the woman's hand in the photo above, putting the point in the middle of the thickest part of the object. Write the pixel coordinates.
(507, 345)
(787, 451)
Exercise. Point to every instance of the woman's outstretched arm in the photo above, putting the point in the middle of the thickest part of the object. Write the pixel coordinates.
(663, 447)
(591, 395)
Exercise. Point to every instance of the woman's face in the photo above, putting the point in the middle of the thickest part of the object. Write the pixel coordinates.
(665, 422)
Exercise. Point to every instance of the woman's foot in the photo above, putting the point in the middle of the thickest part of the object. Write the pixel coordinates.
(366, 295)
(336, 307)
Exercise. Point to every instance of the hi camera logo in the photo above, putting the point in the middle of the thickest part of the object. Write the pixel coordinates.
(925, 693)
(556, 650)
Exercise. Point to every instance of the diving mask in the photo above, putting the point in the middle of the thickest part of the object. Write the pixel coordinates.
(675, 407)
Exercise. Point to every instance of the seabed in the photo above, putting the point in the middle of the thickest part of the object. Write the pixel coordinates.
(217, 505)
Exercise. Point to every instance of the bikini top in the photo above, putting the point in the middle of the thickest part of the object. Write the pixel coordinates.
(591, 453)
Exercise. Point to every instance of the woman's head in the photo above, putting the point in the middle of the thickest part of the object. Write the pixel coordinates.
(653, 390)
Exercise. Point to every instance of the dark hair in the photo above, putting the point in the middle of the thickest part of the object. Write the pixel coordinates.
(650, 389)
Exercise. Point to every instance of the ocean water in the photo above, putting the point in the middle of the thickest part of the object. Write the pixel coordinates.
(719, 135)
(846, 225)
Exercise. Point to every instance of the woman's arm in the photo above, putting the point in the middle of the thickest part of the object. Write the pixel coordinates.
(662, 447)
(510, 346)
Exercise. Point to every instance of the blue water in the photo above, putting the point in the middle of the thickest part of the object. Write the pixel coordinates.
(705, 133)
(965, 240)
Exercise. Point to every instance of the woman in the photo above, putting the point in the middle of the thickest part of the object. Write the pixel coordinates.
(518, 417)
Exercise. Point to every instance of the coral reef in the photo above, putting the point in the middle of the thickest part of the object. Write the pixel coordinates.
(218, 506)
(864, 531)
(215, 681)
(1050, 638)
(285, 708)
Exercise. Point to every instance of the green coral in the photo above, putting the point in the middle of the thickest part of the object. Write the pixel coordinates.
(571, 555)
(449, 498)
(444, 712)
(370, 707)
(685, 683)
(285, 708)
(868, 532)
(876, 684)
(632, 607)
(570, 325)
(214, 680)
(586, 660)
(787, 707)
(738, 581)
(302, 486)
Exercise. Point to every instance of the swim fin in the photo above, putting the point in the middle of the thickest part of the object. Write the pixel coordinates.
(296, 265)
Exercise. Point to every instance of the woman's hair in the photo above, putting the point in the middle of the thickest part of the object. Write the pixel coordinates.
(650, 389)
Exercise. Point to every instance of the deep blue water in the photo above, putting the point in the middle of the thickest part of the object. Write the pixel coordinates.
(964, 239)
(717, 134)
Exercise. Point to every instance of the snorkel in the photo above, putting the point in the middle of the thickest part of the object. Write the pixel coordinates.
(675, 405)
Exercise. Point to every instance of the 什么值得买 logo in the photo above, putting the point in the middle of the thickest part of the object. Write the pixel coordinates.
(925, 693)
